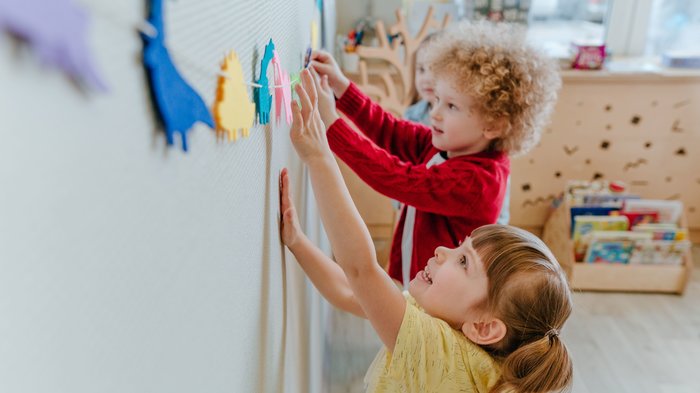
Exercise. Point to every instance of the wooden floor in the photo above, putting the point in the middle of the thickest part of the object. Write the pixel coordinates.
(620, 343)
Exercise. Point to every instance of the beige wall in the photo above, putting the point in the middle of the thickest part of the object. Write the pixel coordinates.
(643, 129)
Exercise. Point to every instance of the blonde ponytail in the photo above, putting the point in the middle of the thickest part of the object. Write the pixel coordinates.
(543, 365)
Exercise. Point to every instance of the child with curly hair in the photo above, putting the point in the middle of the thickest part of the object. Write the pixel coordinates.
(484, 316)
(493, 96)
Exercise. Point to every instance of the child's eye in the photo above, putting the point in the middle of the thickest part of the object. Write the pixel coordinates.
(463, 261)
(451, 106)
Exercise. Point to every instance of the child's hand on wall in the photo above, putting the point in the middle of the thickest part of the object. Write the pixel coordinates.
(290, 229)
(326, 101)
(308, 133)
(323, 63)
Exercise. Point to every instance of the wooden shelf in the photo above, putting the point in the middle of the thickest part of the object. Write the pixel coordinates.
(611, 277)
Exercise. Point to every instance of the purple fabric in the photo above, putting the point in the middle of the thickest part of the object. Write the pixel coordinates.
(57, 32)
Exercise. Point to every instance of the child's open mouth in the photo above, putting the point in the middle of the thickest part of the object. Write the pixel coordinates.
(426, 276)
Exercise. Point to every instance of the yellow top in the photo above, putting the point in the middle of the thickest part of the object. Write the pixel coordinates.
(430, 356)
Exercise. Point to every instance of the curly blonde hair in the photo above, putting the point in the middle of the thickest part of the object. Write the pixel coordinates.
(507, 78)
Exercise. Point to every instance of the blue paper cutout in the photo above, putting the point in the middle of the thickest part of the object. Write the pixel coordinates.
(261, 95)
(56, 30)
(178, 104)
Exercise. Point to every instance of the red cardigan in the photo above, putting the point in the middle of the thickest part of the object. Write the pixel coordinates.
(451, 199)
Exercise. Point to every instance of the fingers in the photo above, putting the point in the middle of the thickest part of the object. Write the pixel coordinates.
(297, 120)
(286, 200)
(306, 106)
(321, 56)
(324, 84)
(308, 81)
(322, 68)
(317, 80)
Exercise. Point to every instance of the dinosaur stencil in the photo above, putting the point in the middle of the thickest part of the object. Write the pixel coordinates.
(283, 91)
(263, 99)
(232, 109)
(56, 30)
(178, 104)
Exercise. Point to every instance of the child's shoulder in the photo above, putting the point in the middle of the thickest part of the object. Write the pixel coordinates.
(470, 351)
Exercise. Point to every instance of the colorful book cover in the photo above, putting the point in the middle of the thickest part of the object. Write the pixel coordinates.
(666, 252)
(668, 211)
(589, 211)
(641, 217)
(612, 246)
(584, 225)
(663, 231)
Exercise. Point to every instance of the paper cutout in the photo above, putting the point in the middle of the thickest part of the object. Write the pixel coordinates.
(178, 104)
(56, 30)
(263, 99)
(232, 109)
(283, 91)
(315, 35)
(316, 25)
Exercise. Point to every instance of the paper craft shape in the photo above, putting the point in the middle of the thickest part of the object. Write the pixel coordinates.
(178, 104)
(315, 35)
(283, 91)
(263, 99)
(56, 30)
(233, 110)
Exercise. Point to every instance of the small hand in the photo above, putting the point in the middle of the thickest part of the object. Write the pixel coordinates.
(308, 133)
(290, 229)
(323, 63)
(326, 100)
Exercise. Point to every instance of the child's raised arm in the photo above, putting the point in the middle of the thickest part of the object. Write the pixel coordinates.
(352, 245)
(326, 275)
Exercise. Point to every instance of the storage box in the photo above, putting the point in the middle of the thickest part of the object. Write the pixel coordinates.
(611, 277)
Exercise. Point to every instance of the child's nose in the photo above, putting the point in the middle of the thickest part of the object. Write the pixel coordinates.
(440, 254)
(434, 112)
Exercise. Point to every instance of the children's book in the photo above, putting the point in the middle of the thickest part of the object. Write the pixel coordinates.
(584, 225)
(667, 252)
(589, 211)
(663, 231)
(668, 211)
(613, 246)
(641, 217)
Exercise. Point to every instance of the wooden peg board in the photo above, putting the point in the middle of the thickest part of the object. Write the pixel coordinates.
(642, 129)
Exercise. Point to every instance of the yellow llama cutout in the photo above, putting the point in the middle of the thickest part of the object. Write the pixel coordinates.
(233, 109)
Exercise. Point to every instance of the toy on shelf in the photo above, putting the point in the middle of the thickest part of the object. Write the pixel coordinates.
(395, 51)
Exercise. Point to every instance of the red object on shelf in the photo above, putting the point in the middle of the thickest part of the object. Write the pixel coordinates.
(588, 56)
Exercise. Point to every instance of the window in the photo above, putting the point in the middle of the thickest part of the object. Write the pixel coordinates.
(674, 25)
(555, 24)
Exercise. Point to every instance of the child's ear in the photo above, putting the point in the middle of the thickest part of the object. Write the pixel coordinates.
(495, 129)
(485, 332)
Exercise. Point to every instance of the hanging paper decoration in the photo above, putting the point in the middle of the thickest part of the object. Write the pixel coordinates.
(178, 104)
(283, 91)
(56, 30)
(263, 99)
(232, 109)
(316, 23)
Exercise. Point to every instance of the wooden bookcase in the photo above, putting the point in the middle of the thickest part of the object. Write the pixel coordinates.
(611, 277)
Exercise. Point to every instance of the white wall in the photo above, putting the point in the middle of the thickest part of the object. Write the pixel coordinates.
(127, 266)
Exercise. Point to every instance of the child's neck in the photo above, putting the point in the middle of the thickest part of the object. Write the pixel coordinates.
(466, 151)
